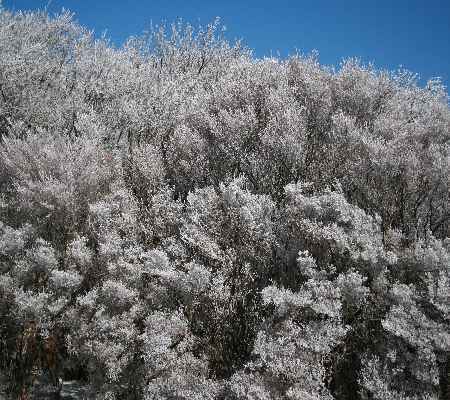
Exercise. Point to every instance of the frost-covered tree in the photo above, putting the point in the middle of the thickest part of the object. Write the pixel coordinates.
(181, 220)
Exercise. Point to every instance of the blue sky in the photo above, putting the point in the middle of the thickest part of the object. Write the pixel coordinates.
(390, 33)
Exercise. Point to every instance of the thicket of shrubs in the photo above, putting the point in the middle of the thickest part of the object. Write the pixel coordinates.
(180, 220)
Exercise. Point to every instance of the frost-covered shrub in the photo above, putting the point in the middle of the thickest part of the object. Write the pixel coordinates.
(181, 220)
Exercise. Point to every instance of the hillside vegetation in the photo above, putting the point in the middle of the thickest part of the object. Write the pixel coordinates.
(181, 220)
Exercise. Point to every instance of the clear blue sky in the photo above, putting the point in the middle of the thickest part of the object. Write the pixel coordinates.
(390, 33)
